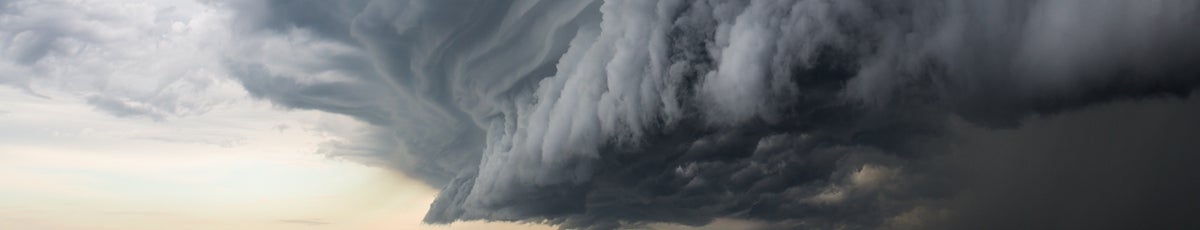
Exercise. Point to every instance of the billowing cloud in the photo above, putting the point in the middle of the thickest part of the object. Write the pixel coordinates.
(602, 114)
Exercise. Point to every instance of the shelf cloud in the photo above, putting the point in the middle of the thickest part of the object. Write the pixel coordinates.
(856, 114)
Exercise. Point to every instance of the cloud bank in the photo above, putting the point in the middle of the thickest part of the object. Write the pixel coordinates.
(813, 113)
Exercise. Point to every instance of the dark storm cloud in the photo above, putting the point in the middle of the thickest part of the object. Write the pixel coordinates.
(1127, 165)
(824, 114)
(413, 100)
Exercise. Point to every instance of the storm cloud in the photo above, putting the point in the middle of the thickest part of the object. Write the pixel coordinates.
(855, 114)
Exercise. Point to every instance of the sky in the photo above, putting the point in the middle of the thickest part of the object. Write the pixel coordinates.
(604, 114)
(68, 166)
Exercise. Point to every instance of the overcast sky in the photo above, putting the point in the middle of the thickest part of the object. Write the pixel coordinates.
(606, 114)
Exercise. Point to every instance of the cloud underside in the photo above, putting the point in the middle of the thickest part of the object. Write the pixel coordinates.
(830, 114)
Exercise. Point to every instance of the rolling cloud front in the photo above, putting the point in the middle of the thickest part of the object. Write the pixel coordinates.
(857, 114)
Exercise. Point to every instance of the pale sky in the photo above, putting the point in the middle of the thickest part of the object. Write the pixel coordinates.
(64, 165)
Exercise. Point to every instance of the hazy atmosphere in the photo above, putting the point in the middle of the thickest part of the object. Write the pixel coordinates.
(606, 114)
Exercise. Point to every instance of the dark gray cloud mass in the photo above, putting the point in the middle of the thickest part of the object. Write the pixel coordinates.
(856, 114)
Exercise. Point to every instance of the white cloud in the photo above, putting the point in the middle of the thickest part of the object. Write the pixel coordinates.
(154, 58)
